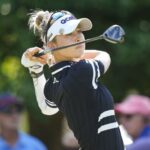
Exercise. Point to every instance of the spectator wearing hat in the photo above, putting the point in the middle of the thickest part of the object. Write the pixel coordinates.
(134, 115)
(11, 138)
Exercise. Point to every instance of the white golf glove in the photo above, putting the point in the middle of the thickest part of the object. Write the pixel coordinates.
(35, 68)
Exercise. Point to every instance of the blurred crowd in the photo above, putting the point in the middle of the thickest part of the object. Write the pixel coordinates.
(11, 136)
(133, 115)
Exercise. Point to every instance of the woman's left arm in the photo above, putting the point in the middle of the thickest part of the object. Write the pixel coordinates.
(101, 56)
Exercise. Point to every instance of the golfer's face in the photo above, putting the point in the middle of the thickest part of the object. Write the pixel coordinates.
(75, 51)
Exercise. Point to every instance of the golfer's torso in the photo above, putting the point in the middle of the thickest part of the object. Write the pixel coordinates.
(83, 104)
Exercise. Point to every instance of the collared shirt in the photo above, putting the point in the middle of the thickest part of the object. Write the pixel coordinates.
(74, 88)
(145, 132)
(142, 142)
(25, 142)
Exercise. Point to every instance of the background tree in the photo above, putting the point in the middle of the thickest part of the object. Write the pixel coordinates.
(130, 69)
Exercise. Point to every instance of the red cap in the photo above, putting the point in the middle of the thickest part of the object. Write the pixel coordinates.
(134, 104)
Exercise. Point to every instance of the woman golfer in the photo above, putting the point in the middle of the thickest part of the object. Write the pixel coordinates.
(73, 86)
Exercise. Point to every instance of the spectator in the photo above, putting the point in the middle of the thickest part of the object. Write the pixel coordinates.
(134, 114)
(69, 142)
(11, 138)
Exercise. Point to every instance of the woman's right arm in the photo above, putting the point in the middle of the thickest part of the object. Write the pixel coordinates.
(39, 84)
(35, 66)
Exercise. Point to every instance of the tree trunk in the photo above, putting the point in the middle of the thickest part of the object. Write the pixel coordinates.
(50, 132)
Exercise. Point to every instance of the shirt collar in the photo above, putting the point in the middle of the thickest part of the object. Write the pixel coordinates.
(55, 69)
(145, 132)
(20, 142)
(22, 139)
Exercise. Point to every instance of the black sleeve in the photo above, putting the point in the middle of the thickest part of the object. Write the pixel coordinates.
(99, 65)
(48, 94)
(96, 67)
(88, 72)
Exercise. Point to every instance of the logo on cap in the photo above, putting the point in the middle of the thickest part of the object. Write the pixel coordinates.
(63, 21)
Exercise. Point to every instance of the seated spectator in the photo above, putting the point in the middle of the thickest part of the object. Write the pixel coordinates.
(134, 115)
(69, 142)
(11, 138)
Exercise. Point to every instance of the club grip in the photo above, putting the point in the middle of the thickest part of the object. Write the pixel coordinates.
(39, 54)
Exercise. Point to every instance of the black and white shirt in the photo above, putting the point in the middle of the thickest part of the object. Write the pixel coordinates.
(74, 88)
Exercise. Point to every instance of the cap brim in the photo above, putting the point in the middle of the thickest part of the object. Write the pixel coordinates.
(123, 110)
(131, 110)
(68, 26)
(84, 24)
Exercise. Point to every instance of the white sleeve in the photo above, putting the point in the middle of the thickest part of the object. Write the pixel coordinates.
(39, 84)
(105, 59)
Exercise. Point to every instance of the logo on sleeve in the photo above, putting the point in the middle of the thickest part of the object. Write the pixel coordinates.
(55, 80)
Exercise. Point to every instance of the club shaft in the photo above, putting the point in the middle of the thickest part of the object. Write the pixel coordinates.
(59, 48)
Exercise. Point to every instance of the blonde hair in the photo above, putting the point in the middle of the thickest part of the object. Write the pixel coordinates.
(38, 22)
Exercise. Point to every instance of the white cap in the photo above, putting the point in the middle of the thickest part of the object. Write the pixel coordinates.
(66, 25)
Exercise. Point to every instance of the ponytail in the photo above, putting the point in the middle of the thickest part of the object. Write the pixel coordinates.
(38, 23)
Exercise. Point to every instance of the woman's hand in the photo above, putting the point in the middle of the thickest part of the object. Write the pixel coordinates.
(30, 55)
(35, 64)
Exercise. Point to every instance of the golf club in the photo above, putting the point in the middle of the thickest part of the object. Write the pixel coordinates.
(114, 34)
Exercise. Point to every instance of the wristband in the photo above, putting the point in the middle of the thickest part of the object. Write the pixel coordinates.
(36, 75)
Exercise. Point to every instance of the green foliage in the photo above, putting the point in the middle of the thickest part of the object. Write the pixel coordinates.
(130, 67)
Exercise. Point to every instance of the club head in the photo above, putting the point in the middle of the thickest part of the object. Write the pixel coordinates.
(114, 34)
